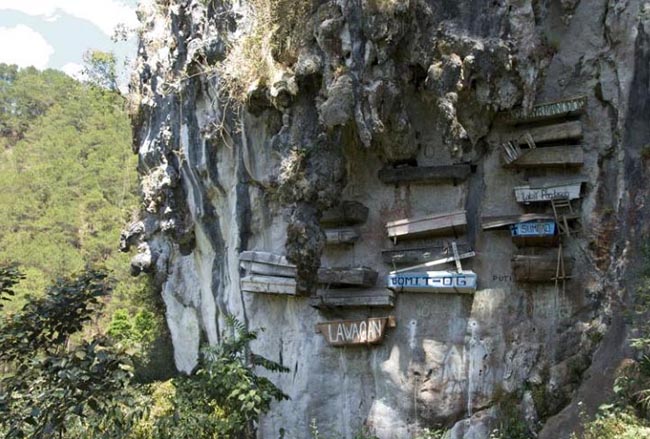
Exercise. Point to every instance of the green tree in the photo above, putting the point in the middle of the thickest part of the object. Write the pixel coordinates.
(51, 385)
(100, 69)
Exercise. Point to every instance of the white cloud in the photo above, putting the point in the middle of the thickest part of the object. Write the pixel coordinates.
(26, 47)
(73, 69)
(105, 14)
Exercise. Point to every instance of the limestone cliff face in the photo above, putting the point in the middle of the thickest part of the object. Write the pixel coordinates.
(375, 85)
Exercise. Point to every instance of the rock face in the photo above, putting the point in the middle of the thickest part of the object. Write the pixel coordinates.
(379, 84)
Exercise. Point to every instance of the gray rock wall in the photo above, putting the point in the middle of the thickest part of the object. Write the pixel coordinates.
(412, 80)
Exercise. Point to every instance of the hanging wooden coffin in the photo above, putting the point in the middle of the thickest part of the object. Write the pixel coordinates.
(433, 282)
(424, 174)
(268, 285)
(439, 224)
(344, 235)
(347, 213)
(420, 255)
(548, 192)
(532, 233)
(266, 263)
(539, 268)
(550, 157)
(551, 110)
(356, 332)
(352, 298)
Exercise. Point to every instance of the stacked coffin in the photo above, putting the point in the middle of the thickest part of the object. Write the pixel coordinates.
(417, 278)
(549, 135)
(269, 273)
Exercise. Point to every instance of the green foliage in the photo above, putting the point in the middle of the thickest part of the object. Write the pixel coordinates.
(9, 278)
(614, 423)
(68, 178)
(100, 69)
(223, 397)
(433, 433)
(52, 387)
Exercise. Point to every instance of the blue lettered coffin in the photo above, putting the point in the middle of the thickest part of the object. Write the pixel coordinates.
(433, 282)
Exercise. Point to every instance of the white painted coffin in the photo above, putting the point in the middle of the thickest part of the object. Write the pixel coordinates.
(433, 282)
(428, 225)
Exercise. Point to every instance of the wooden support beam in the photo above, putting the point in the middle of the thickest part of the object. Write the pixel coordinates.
(550, 157)
(424, 174)
(348, 213)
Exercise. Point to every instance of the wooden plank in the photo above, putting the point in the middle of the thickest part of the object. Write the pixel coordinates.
(419, 255)
(350, 298)
(546, 133)
(343, 235)
(348, 213)
(550, 157)
(538, 268)
(505, 221)
(433, 282)
(528, 194)
(424, 174)
(446, 223)
(268, 285)
(550, 110)
(355, 332)
(357, 276)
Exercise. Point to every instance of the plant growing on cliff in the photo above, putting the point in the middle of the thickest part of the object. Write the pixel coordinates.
(268, 44)
(224, 396)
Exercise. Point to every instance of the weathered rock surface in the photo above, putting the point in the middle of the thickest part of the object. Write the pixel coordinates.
(379, 83)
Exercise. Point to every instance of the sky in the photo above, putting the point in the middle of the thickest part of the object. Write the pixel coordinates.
(56, 33)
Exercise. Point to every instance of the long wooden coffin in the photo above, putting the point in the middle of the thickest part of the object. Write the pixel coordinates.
(535, 233)
(355, 332)
(547, 111)
(505, 221)
(422, 254)
(356, 276)
(439, 224)
(433, 282)
(531, 194)
(424, 174)
(265, 263)
(538, 268)
(547, 133)
(269, 264)
(268, 285)
(352, 298)
(341, 236)
(550, 157)
(348, 213)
